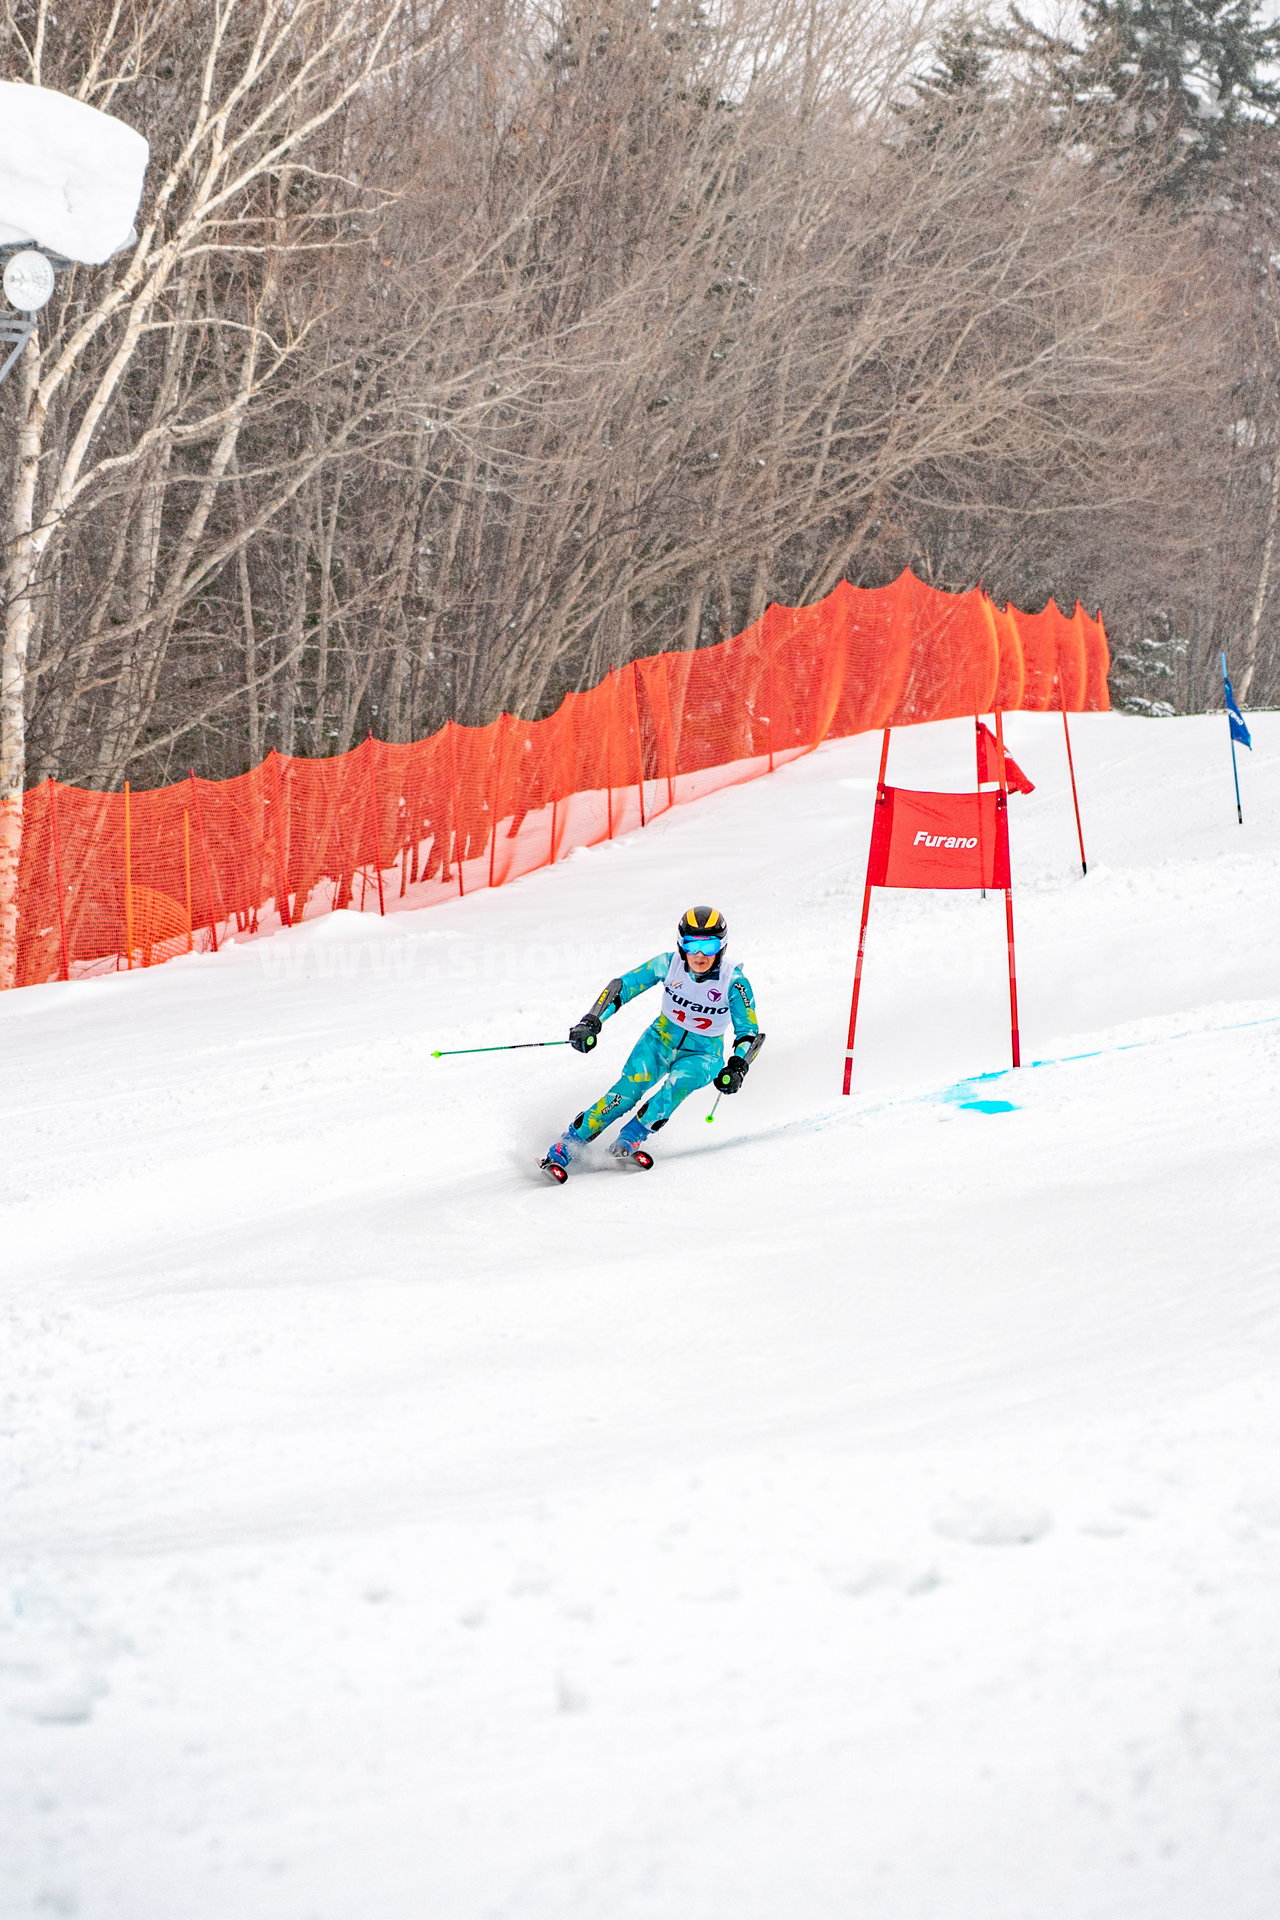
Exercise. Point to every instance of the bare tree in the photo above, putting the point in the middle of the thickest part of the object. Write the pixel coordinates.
(154, 368)
(469, 351)
(770, 324)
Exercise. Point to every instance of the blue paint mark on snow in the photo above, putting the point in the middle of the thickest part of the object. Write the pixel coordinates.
(955, 1095)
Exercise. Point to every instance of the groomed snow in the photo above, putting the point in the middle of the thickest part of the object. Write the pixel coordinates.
(70, 176)
(874, 1511)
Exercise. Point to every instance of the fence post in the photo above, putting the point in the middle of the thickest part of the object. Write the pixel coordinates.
(186, 868)
(371, 749)
(57, 875)
(671, 732)
(128, 881)
(214, 904)
(457, 803)
(770, 691)
(495, 795)
(635, 702)
(282, 865)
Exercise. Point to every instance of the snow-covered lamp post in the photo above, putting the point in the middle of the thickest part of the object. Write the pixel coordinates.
(70, 182)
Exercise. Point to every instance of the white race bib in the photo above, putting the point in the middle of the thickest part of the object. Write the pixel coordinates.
(700, 1006)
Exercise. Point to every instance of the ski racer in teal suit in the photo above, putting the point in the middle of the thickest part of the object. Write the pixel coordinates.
(704, 994)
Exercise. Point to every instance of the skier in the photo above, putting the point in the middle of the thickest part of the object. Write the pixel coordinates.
(703, 993)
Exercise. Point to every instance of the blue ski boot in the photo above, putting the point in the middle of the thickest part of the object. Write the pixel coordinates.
(557, 1163)
(629, 1145)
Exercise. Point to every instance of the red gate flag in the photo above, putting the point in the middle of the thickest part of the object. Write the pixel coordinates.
(939, 840)
(989, 763)
(944, 840)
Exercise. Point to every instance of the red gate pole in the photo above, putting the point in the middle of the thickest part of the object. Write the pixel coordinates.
(857, 989)
(608, 749)
(1003, 804)
(57, 875)
(1013, 965)
(204, 856)
(371, 751)
(862, 933)
(977, 748)
(1071, 769)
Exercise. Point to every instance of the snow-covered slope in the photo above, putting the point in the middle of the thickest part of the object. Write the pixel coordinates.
(873, 1511)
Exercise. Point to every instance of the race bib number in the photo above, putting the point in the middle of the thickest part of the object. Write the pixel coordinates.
(699, 1006)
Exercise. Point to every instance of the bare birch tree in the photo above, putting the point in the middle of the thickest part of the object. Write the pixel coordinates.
(240, 103)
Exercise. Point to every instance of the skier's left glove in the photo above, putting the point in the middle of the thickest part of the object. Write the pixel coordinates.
(582, 1036)
(731, 1075)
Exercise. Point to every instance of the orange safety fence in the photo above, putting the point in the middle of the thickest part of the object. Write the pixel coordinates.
(113, 880)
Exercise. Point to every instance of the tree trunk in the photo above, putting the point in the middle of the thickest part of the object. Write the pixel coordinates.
(1264, 582)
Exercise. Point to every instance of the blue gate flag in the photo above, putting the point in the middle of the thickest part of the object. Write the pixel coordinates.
(1235, 719)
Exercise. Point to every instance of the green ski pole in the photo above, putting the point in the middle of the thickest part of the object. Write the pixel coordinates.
(444, 1053)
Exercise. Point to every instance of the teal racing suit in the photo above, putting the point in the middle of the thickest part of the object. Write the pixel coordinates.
(668, 1062)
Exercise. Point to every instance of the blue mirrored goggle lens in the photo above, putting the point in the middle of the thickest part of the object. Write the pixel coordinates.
(700, 946)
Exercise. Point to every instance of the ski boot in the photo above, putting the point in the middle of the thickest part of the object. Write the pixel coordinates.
(557, 1163)
(629, 1145)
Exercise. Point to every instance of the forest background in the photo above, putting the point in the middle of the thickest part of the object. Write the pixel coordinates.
(469, 348)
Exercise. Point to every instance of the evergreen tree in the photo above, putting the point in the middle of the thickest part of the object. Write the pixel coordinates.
(961, 83)
(1166, 81)
(1148, 676)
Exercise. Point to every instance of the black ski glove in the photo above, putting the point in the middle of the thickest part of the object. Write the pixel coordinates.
(732, 1074)
(582, 1037)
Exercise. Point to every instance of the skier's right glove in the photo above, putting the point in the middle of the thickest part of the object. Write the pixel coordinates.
(732, 1074)
(582, 1037)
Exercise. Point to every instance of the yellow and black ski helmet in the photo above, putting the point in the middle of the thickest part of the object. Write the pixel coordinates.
(703, 923)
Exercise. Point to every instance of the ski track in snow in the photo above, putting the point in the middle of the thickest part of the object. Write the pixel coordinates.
(872, 1511)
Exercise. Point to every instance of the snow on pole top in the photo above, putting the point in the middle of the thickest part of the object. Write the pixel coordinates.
(70, 176)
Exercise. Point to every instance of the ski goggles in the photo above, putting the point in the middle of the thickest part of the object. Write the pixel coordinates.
(702, 946)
